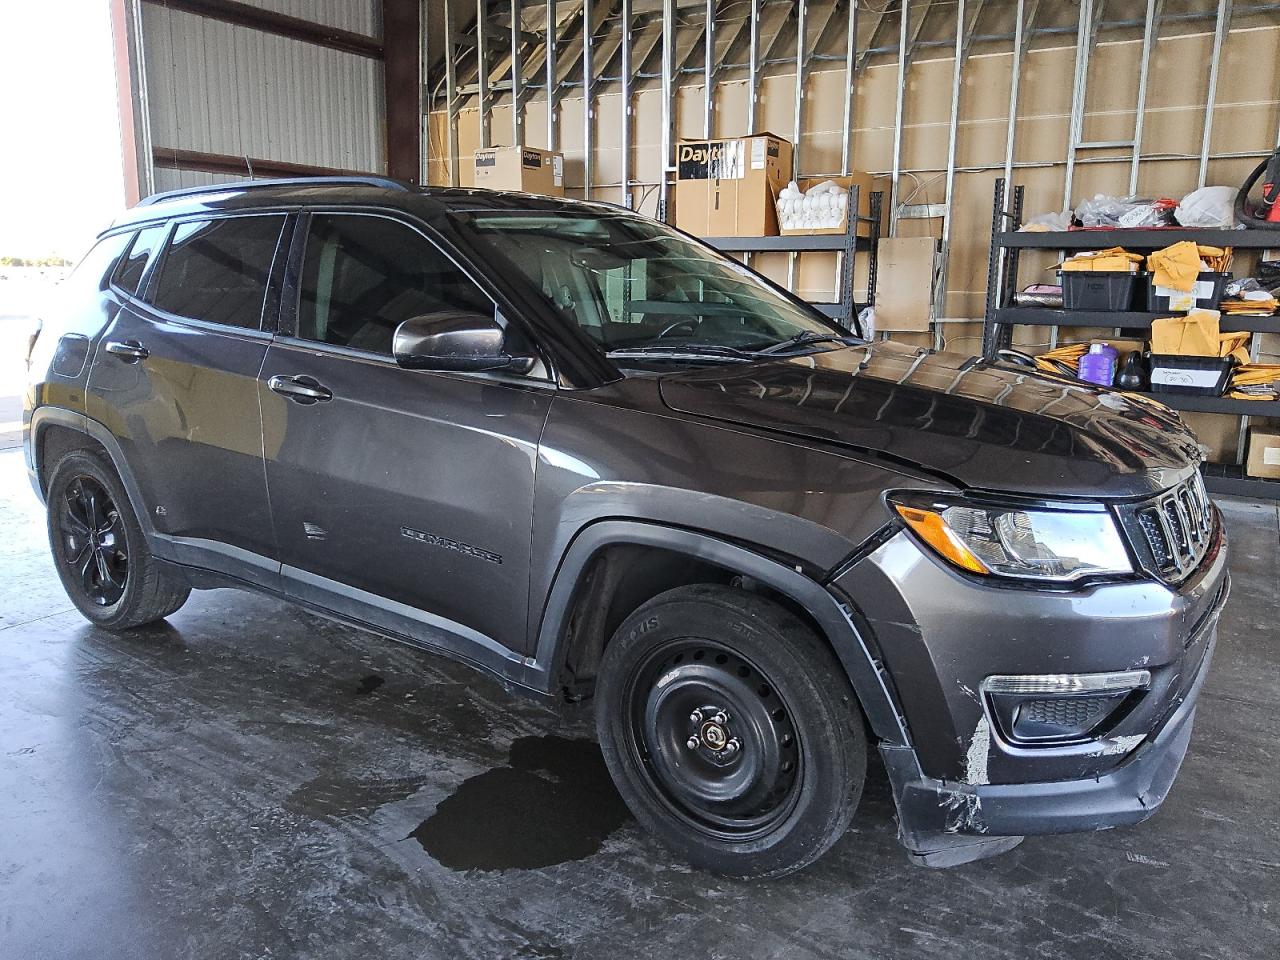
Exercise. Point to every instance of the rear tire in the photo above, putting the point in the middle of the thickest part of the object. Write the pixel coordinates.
(731, 731)
(100, 551)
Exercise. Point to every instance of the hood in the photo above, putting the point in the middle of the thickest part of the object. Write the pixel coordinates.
(983, 426)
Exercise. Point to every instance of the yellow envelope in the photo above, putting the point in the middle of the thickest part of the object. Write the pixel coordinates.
(1195, 335)
(1176, 266)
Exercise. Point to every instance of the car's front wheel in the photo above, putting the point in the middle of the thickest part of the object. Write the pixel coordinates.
(100, 551)
(731, 731)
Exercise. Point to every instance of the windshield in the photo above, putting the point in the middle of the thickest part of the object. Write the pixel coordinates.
(635, 286)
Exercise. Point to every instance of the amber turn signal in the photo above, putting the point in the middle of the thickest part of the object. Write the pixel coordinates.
(933, 530)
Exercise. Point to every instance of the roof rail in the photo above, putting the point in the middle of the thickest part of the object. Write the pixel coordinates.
(371, 180)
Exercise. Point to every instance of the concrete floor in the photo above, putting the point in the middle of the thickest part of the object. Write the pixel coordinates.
(252, 781)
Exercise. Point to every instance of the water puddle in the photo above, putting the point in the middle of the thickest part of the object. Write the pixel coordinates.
(553, 802)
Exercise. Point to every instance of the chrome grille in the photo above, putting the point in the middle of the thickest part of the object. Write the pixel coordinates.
(1178, 527)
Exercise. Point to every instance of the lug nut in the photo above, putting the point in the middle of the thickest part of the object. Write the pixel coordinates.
(720, 718)
(692, 743)
(733, 746)
(695, 717)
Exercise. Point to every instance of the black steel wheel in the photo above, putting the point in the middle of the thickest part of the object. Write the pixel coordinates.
(714, 738)
(730, 730)
(100, 551)
(94, 546)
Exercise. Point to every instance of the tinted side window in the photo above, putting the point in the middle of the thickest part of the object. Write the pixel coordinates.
(132, 267)
(362, 276)
(217, 270)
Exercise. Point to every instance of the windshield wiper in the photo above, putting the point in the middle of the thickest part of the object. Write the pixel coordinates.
(806, 338)
(689, 350)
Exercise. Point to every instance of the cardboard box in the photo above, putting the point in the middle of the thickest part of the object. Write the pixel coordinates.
(1264, 453)
(1218, 433)
(867, 185)
(727, 188)
(525, 169)
(904, 283)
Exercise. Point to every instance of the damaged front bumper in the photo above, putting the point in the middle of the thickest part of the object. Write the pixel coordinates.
(943, 823)
(964, 787)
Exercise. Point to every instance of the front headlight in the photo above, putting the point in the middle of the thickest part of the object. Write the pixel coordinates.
(1048, 545)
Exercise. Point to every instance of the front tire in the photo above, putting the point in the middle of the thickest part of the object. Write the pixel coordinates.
(731, 731)
(99, 550)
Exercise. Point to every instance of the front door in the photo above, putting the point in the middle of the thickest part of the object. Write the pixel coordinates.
(402, 498)
(175, 381)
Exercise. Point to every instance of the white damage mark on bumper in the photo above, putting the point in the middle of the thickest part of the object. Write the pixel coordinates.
(1117, 745)
(975, 760)
(964, 810)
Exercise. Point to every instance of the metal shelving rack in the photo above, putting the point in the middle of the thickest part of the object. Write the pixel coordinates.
(849, 244)
(1001, 317)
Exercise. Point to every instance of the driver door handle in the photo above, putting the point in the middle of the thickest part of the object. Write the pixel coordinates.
(305, 390)
(130, 351)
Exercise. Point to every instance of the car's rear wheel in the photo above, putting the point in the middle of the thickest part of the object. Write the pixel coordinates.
(731, 731)
(100, 551)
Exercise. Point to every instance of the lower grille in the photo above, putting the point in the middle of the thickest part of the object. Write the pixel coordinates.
(1178, 528)
(1064, 711)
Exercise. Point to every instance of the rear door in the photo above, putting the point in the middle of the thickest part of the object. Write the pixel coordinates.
(175, 380)
(401, 497)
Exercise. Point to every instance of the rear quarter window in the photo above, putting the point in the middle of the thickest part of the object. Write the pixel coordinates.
(134, 264)
(217, 270)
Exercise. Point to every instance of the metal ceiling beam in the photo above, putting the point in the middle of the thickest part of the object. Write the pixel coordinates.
(588, 103)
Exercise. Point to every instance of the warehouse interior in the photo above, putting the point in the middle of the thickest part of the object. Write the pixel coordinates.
(251, 779)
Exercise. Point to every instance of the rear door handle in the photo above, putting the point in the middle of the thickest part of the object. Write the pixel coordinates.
(304, 389)
(130, 351)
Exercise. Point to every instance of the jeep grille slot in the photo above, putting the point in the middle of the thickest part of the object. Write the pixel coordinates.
(1178, 526)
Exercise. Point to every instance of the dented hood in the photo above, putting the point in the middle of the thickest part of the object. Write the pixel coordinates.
(984, 426)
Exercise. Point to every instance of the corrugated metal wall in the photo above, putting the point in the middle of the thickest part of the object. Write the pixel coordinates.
(218, 88)
(358, 16)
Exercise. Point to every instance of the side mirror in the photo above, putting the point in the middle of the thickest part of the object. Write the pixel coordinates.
(456, 341)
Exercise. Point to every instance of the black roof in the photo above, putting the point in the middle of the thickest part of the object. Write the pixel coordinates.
(353, 190)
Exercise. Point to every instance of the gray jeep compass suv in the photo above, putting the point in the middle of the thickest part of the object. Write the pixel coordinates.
(594, 458)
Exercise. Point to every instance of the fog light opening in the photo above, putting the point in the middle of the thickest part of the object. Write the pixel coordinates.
(1060, 709)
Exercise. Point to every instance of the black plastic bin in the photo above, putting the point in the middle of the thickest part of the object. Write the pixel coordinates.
(1215, 287)
(1108, 291)
(1200, 376)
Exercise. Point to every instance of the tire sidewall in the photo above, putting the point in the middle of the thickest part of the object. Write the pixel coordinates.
(829, 728)
(84, 464)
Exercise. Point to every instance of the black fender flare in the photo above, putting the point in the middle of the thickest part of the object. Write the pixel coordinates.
(827, 611)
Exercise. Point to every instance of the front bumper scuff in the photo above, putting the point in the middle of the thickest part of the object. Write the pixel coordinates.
(943, 823)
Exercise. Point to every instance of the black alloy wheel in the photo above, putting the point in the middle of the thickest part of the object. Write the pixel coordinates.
(94, 545)
(100, 550)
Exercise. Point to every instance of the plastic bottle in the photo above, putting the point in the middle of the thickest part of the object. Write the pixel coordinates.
(1099, 364)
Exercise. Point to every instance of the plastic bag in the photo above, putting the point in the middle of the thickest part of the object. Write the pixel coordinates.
(1209, 207)
(867, 318)
(1047, 222)
(1105, 211)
